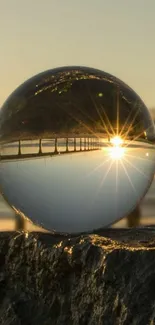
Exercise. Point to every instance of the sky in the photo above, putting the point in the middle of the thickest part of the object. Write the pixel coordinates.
(117, 36)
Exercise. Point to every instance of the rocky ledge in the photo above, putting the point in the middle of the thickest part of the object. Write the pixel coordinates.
(101, 279)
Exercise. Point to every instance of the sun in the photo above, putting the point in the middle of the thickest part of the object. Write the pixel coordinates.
(116, 141)
(116, 151)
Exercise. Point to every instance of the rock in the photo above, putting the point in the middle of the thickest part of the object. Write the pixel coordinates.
(106, 278)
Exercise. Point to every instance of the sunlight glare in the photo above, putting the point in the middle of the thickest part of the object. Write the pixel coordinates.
(117, 152)
(116, 141)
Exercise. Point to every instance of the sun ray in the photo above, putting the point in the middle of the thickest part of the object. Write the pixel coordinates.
(116, 180)
(118, 108)
(99, 114)
(125, 135)
(137, 169)
(105, 127)
(112, 129)
(98, 167)
(95, 105)
(131, 124)
(133, 187)
(104, 178)
(135, 138)
(83, 112)
(80, 122)
(130, 114)
(139, 158)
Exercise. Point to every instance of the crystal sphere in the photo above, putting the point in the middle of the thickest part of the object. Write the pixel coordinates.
(77, 149)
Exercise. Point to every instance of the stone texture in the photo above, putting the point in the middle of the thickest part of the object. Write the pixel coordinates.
(106, 278)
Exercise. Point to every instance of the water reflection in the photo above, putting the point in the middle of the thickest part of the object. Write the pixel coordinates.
(65, 192)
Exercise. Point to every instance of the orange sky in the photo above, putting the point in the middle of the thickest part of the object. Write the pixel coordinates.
(115, 36)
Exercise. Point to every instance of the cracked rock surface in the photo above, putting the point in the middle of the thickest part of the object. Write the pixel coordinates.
(100, 279)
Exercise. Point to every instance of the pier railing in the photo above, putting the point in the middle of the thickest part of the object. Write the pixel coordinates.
(15, 150)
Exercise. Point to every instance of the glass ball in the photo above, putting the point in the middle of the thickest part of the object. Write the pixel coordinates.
(77, 149)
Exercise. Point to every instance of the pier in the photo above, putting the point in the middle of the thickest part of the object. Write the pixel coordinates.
(56, 146)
